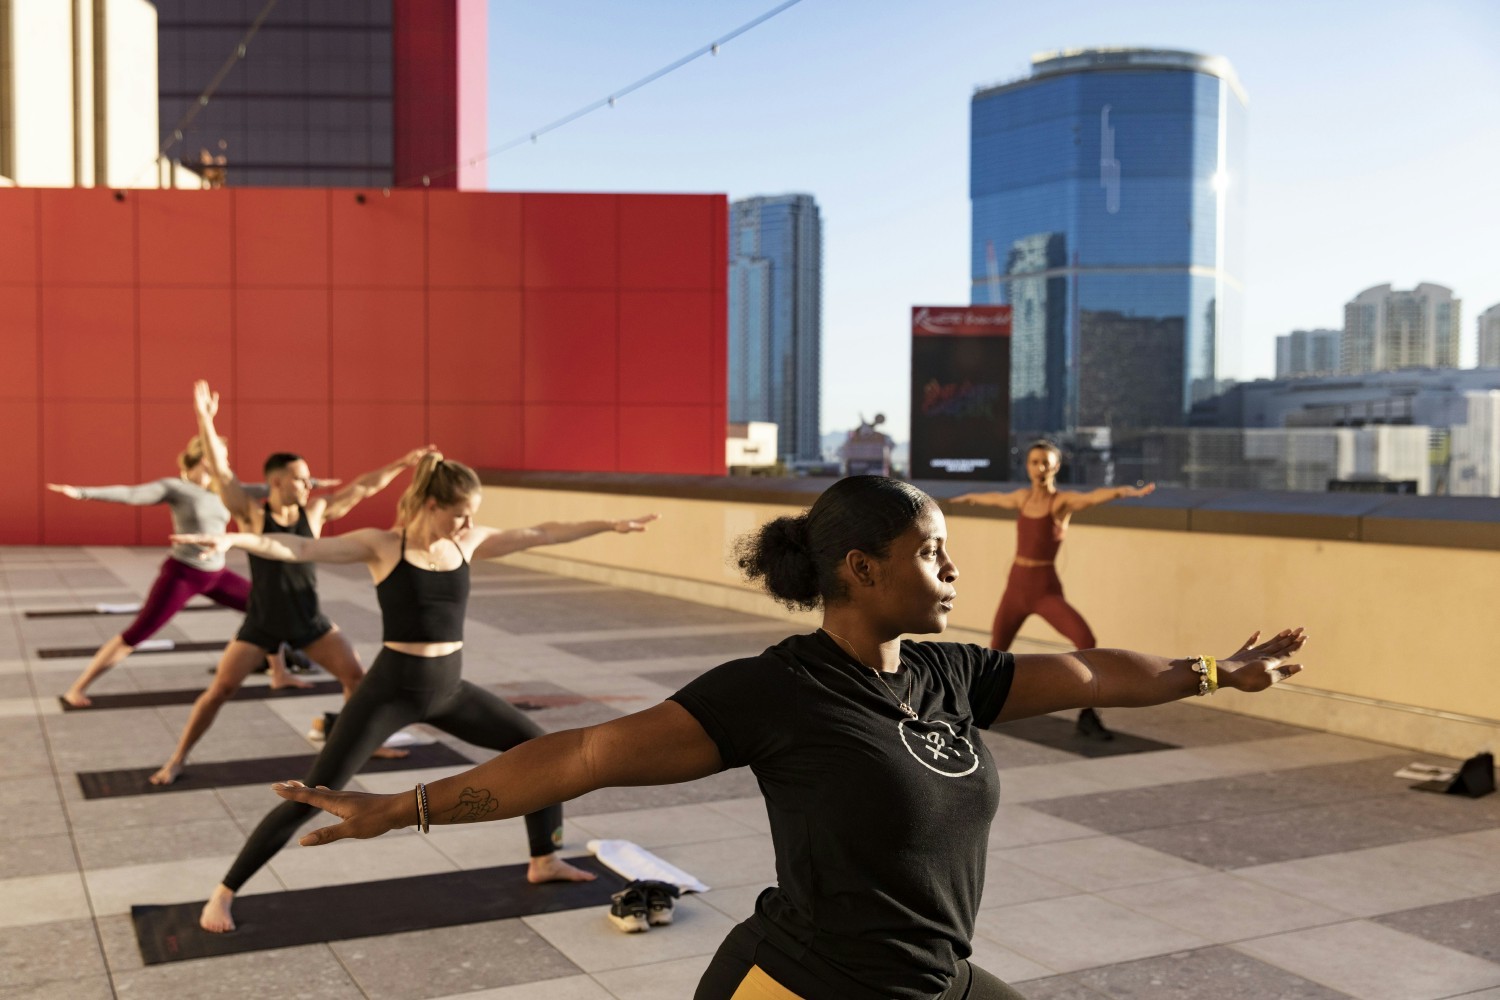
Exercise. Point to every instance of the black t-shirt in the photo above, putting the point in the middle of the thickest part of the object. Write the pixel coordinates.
(879, 823)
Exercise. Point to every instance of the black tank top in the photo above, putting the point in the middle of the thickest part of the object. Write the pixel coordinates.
(423, 605)
(283, 595)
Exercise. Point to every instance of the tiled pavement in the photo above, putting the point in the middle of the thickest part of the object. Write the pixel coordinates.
(1230, 858)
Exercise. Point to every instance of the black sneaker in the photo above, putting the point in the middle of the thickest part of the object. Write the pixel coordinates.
(297, 661)
(659, 900)
(1090, 725)
(628, 909)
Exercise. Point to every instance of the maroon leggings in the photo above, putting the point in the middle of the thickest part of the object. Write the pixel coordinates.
(175, 585)
(1036, 590)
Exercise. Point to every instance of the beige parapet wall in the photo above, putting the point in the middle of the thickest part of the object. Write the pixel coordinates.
(1404, 643)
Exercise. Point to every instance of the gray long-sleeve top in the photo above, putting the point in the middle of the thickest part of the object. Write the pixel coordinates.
(195, 510)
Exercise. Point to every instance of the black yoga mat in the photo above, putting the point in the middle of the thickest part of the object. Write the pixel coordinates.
(95, 612)
(186, 696)
(365, 909)
(59, 653)
(255, 771)
(1062, 734)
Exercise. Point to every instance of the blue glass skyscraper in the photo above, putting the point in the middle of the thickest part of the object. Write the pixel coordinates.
(1108, 194)
(775, 318)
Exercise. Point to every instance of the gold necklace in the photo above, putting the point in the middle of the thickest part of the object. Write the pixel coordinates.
(846, 644)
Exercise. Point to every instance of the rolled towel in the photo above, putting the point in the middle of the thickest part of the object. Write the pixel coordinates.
(635, 862)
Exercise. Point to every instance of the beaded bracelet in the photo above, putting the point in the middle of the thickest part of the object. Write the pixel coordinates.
(1207, 669)
(422, 807)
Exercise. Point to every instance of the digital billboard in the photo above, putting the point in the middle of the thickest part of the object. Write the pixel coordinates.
(960, 392)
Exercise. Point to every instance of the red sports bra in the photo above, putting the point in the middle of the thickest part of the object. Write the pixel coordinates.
(1038, 538)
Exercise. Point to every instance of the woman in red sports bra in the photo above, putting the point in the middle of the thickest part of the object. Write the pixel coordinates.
(1033, 588)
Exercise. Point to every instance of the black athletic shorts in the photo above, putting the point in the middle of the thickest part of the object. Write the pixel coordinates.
(270, 642)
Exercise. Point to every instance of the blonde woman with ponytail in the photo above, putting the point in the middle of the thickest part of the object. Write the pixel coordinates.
(420, 569)
(188, 571)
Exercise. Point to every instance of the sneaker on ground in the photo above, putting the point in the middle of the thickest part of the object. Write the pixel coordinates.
(628, 910)
(660, 898)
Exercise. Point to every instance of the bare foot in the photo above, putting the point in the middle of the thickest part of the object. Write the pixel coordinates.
(215, 917)
(166, 775)
(76, 698)
(389, 753)
(551, 868)
(287, 680)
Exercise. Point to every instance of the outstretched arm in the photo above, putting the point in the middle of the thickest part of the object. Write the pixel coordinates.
(361, 545)
(1011, 500)
(496, 542)
(216, 453)
(143, 495)
(365, 486)
(1103, 678)
(660, 746)
(1071, 502)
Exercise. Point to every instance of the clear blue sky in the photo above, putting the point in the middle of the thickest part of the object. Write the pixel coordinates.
(1374, 142)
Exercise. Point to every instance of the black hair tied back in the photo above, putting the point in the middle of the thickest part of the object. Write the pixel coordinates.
(779, 556)
(797, 559)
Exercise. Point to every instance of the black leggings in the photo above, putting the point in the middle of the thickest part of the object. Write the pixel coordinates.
(737, 955)
(399, 690)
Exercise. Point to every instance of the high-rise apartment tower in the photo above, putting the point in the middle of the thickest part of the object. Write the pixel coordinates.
(775, 318)
(1387, 330)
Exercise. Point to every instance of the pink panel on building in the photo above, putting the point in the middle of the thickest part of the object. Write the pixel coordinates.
(473, 90)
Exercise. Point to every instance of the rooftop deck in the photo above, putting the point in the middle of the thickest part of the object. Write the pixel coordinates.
(1202, 854)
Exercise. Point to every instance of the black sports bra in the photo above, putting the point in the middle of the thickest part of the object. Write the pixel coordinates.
(423, 605)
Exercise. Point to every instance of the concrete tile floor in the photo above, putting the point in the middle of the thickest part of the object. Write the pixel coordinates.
(1242, 859)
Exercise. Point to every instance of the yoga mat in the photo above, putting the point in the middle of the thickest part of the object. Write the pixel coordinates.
(1061, 734)
(254, 771)
(186, 696)
(59, 653)
(95, 611)
(365, 909)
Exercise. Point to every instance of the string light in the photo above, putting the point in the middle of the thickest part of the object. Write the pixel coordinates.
(240, 51)
(711, 49)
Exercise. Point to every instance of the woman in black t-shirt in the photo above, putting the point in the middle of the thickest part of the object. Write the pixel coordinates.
(879, 789)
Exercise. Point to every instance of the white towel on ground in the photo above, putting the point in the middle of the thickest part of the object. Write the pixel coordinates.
(635, 862)
(117, 609)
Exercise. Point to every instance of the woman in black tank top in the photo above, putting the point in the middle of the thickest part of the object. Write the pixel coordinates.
(421, 574)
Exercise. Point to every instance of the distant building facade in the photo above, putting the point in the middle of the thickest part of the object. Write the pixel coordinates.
(1108, 198)
(78, 95)
(1489, 337)
(1389, 330)
(1302, 353)
(750, 446)
(338, 93)
(1457, 408)
(775, 319)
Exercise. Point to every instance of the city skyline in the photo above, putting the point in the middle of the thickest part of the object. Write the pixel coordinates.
(870, 115)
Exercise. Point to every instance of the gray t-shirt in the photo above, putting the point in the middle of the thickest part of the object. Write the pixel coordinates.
(195, 510)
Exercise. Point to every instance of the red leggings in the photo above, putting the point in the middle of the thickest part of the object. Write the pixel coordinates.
(175, 585)
(1036, 590)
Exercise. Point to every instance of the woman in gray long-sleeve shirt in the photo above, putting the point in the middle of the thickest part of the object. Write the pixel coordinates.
(190, 570)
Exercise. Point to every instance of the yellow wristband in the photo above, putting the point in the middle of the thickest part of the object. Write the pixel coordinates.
(1212, 674)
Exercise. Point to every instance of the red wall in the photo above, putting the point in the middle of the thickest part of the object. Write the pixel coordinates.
(520, 331)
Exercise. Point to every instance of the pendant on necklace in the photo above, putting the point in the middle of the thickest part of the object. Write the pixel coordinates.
(908, 710)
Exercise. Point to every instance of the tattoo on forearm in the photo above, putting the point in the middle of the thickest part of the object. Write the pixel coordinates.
(474, 804)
